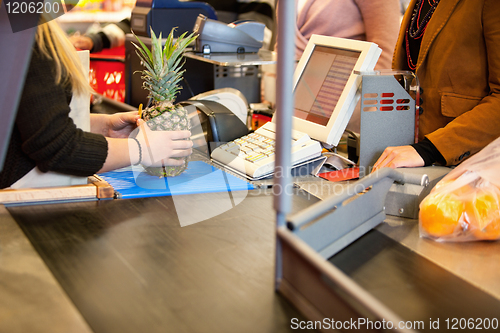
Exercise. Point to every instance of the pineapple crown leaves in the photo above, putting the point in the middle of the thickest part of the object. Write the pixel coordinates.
(162, 72)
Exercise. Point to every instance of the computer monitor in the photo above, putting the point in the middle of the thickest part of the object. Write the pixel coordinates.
(15, 53)
(326, 86)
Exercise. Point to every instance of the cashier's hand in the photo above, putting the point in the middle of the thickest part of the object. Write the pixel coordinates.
(81, 42)
(121, 124)
(399, 157)
(160, 148)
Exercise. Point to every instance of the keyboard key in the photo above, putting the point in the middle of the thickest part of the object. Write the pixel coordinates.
(252, 146)
(229, 145)
(255, 157)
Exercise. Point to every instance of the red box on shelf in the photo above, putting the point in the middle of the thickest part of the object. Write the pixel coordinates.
(107, 73)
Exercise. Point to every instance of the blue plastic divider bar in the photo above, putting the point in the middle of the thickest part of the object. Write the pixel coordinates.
(199, 177)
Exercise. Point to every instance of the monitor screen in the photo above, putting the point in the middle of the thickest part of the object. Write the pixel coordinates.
(326, 85)
(322, 82)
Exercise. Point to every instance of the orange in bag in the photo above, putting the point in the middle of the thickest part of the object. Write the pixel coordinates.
(440, 215)
(484, 213)
(465, 204)
(466, 213)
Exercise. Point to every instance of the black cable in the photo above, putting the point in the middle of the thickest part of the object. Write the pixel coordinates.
(188, 86)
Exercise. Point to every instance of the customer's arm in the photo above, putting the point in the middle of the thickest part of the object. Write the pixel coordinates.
(475, 128)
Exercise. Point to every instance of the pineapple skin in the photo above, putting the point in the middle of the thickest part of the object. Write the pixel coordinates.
(167, 117)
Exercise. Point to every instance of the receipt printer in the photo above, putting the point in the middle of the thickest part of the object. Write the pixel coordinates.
(237, 37)
(217, 117)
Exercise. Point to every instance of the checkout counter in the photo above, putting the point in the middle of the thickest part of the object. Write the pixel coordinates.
(127, 265)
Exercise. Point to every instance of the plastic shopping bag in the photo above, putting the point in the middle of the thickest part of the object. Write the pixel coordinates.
(465, 205)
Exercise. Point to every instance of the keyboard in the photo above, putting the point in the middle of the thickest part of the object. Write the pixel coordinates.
(253, 155)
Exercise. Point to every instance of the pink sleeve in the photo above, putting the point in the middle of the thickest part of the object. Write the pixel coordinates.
(382, 20)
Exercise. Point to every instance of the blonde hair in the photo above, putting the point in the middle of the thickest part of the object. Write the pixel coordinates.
(54, 44)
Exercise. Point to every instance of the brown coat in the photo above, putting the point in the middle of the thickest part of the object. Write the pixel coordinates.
(459, 72)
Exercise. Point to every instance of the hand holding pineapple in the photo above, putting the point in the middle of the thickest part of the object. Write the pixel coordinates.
(117, 125)
(163, 148)
(157, 148)
(161, 76)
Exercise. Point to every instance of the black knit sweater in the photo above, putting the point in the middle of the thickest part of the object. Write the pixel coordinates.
(44, 135)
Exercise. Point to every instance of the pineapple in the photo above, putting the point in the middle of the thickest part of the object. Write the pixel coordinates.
(161, 76)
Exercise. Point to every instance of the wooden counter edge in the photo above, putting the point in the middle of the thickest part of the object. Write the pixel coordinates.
(96, 188)
(104, 189)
